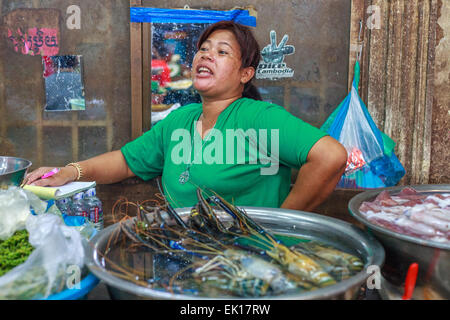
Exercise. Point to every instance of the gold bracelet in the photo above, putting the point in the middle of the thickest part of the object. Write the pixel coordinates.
(79, 169)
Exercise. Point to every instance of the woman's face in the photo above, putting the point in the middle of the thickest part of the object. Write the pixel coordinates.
(216, 69)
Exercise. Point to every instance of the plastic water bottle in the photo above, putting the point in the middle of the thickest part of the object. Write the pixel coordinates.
(95, 208)
(78, 206)
(64, 205)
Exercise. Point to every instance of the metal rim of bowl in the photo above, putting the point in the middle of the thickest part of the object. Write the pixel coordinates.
(28, 164)
(355, 203)
(372, 246)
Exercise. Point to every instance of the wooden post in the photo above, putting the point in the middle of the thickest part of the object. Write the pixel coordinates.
(357, 15)
(136, 74)
(146, 77)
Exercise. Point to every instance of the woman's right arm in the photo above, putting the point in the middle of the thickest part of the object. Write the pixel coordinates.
(106, 168)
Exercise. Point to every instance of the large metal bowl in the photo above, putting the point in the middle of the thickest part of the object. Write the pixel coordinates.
(340, 234)
(433, 279)
(12, 171)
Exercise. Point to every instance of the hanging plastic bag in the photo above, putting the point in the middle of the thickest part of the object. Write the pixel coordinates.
(58, 251)
(371, 161)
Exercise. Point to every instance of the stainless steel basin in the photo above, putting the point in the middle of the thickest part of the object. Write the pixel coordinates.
(12, 171)
(340, 234)
(433, 279)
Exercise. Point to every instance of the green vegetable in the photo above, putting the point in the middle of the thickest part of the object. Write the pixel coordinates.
(14, 251)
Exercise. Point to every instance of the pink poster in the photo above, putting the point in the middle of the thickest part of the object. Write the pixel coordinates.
(37, 41)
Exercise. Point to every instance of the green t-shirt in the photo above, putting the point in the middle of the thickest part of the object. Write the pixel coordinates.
(246, 158)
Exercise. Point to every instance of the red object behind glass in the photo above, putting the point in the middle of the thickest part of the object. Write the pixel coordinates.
(160, 72)
(48, 63)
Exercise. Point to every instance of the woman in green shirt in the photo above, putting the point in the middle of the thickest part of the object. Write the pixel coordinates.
(232, 143)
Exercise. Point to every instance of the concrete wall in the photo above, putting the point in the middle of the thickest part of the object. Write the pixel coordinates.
(55, 138)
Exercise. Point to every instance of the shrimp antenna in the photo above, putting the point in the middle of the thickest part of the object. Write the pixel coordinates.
(170, 210)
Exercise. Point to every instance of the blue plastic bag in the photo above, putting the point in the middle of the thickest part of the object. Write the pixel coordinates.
(371, 162)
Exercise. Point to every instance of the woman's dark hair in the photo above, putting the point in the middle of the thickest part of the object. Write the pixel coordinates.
(250, 53)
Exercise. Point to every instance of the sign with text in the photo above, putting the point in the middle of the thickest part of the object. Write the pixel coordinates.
(37, 41)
